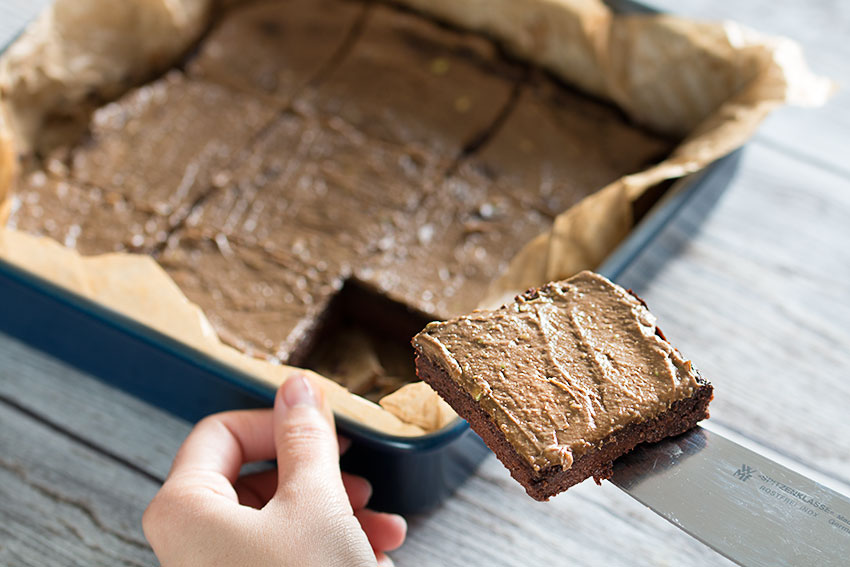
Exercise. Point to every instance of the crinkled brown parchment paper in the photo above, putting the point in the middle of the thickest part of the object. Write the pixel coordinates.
(709, 84)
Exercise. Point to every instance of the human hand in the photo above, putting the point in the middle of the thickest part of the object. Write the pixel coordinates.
(305, 513)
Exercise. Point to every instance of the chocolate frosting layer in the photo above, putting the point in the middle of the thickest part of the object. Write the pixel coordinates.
(561, 369)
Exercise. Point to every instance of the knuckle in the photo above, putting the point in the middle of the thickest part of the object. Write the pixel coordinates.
(166, 512)
(341, 531)
(310, 446)
(153, 519)
(306, 435)
(210, 421)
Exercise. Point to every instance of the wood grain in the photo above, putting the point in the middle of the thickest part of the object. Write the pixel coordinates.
(491, 521)
(110, 420)
(63, 504)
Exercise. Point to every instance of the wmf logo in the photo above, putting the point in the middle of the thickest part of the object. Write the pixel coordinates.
(744, 473)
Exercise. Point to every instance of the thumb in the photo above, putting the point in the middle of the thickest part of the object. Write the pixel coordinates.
(306, 445)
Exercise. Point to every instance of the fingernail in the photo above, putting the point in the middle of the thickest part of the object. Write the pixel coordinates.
(297, 391)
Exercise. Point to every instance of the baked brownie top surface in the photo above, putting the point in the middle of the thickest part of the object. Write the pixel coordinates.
(563, 367)
(275, 48)
(408, 81)
(161, 145)
(312, 143)
(555, 143)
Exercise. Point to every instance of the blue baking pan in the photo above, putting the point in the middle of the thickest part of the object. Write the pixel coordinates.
(409, 475)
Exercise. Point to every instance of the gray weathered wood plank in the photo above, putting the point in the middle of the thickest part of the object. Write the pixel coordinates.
(107, 418)
(491, 521)
(64, 504)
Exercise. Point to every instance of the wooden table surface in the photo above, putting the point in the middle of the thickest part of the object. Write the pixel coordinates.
(752, 284)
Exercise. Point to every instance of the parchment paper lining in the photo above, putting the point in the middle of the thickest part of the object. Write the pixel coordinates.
(709, 84)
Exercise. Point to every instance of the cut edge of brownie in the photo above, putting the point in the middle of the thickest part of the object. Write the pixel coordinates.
(598, 462)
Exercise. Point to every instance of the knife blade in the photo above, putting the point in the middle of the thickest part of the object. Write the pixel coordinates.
(743, 505)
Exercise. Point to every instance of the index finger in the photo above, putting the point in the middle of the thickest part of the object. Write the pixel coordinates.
(223, 442)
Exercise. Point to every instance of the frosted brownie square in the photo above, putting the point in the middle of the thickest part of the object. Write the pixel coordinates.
(563, 380)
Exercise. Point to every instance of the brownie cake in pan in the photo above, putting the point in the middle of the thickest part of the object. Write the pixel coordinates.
(307, 146)
(563, 380)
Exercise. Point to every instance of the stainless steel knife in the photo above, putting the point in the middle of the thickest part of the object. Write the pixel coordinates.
(743, 505)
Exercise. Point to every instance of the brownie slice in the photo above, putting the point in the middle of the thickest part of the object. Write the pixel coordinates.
(557, 146)
(563, 380)
(275, 48)
(409, 81)
(80, 216)
(553, 149)
(163, 146)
